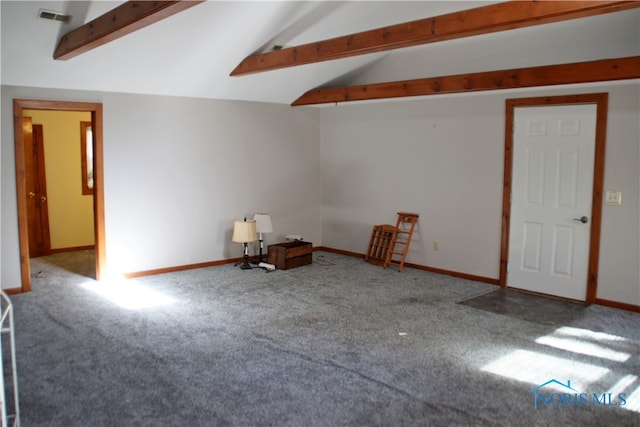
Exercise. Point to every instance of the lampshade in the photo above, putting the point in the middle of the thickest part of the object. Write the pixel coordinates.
(244, 231)
(263, 223)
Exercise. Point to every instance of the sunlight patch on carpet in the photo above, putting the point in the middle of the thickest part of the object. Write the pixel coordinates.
(535, 368)
(625, 384)
(633, 400)
(127, 293)
(586, 342)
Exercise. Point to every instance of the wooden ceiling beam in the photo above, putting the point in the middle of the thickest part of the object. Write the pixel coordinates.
(123, 20)
(548, 75)
(482, 20)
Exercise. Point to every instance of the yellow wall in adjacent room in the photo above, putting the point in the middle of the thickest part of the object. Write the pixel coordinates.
(70, 212)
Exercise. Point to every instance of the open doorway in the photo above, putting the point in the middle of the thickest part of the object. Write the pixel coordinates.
(95, 109)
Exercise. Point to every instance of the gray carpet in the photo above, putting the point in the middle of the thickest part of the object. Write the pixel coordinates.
(338, 342)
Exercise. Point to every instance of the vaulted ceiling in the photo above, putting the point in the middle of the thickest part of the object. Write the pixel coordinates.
(194, 51)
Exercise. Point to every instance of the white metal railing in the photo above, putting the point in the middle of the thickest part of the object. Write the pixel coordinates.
(7, 327)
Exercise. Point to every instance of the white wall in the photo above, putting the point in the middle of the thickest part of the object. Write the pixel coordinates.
(439, 158)
(442, 157)
(619, 275)
(179, 171)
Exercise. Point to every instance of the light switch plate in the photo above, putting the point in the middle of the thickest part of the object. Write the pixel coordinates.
(613, 197)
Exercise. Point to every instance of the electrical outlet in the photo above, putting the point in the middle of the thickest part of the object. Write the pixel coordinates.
(436, 245)
(613, 197)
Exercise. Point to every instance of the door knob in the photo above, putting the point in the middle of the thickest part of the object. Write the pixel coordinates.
(583, 219)
(43, 199)
(32, 194)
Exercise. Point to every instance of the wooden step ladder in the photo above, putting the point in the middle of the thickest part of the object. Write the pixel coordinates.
(402, 236)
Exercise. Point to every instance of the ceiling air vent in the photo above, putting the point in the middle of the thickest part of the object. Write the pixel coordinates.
(54, 16)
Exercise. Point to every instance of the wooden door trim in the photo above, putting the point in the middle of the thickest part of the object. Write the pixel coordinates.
(601, 100)
(19, 105)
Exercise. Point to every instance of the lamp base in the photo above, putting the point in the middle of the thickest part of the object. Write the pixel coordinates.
(260, 259)
(245, 265)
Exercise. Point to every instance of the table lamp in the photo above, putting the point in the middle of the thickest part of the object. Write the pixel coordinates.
(244, 232)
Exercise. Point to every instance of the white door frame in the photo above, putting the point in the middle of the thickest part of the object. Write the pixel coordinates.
(601, 100)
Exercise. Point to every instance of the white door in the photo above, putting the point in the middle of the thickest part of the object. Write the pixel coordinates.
(552, 186)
